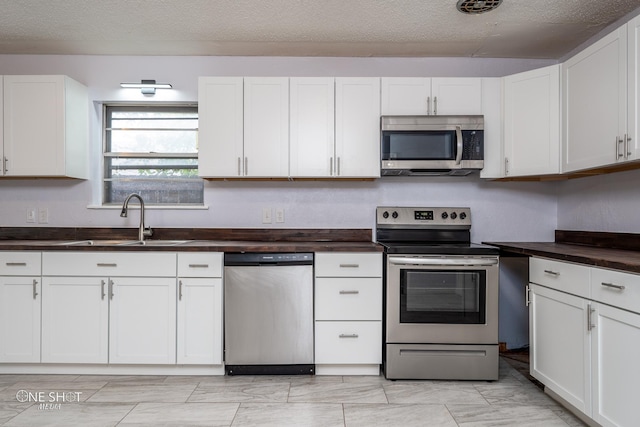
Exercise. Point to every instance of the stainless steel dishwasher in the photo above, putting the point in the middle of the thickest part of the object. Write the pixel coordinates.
(268, 306)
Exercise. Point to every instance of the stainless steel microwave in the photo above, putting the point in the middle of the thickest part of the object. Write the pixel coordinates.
(431, 145)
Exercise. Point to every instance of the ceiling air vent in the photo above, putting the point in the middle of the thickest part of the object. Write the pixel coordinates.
(473, 7)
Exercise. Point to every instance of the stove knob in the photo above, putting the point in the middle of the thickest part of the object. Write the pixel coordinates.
(454, 215)
(445, 215)
(463, 215)
(394, 215)
(385, 215)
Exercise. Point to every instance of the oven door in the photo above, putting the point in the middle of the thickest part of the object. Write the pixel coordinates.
(442, 299)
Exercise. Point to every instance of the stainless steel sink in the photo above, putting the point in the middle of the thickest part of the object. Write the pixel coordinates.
(122, 242)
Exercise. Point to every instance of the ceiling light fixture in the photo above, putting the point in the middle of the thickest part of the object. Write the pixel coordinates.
(474, 7)
(147, 87)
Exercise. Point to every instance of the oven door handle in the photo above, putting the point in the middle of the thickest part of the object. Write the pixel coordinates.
(443, 262)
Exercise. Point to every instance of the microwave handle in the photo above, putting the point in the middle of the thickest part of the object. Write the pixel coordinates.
(459, 143)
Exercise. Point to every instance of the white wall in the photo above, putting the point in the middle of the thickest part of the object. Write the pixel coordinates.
(601, 203)
(501, 211)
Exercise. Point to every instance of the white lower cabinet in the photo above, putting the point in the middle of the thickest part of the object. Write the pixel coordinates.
(200, 317)
(116, 303)
(585, 347)
(75, 320)
(348, 313)
(20, 301)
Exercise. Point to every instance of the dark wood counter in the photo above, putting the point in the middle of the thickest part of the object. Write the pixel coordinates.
(197, 239)
(619, 251)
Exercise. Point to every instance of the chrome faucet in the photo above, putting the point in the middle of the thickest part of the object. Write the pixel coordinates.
(142, 231)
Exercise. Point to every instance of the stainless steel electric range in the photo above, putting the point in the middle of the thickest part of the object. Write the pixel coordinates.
(441, 296)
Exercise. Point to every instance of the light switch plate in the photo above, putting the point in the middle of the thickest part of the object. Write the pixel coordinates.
(266, 215)
(280, 215)
(31, 215)
(43, 215)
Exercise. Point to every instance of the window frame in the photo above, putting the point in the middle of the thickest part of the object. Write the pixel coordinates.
(106, 154)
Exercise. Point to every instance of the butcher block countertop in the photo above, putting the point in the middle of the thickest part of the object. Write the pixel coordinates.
(619, 251)
(189, 240)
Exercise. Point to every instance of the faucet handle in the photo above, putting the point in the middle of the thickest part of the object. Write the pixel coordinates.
(148, 232)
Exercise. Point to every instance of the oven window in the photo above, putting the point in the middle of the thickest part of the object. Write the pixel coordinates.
(432, 145)
(443, 296)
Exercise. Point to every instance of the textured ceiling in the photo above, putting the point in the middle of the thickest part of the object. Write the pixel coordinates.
(517, 29)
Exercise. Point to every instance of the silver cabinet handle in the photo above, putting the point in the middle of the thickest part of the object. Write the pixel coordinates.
(330, 166)
(435, 105)
(338, 166)
(35, 288)
(506, 166)
(618, 142)
(349, 292)
(613, 286)
(246, 166)
(428, 105)
(102, 283)
(553, 273)
(4, 164)
(349, 265)
(239, 167)
(527, 296)
(107, 264)
(627, 146)
(179, 290)
(590, 312)
(16, 264)
(348, 335)
(111, 289)
(459, 143)
(198, 265)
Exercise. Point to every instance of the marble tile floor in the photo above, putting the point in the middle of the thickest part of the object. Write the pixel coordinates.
(93, 400)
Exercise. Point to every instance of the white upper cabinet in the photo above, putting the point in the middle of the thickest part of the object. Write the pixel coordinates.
(595, 104)
(220, 127)
(633, 88)
(357, 127)
(532, 122)
(45, 127)
(431, 96)
(266, 126)
(312, 109)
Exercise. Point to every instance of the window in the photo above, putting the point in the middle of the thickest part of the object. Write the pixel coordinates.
(152, 151)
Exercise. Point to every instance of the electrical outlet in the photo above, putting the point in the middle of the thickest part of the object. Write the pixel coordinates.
(279, 214)
(43, 215)
(266, 215)
(31, 214)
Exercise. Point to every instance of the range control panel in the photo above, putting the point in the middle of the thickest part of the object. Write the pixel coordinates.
(429, 217)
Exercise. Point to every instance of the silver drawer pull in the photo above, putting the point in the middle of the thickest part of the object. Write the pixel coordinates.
(348, 335)
(349, 292)
(553, 273)
(613, 286)
(349, 265)
(107, 264)
(16, 264)
(35, 289)
(198, 265)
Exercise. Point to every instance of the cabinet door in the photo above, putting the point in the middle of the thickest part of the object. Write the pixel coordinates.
(200, 321)
(358, 127)
(2, 158)
(75, 320)
(34, 150)
(312, 126)
(20, 319)
(532, 122)
(560, 345)
(595, 103)
(406, 96)
(266, 126)
(633, 88)
(142, 324)
(456, 96)
(616, 372)
(220, 127)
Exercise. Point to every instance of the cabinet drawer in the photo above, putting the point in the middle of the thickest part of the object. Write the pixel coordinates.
(204, 264)
(348, 342)
(616, 288)
(562, 276)
(20, 263)
(354, 298)
(348, 264)
(160, 264)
